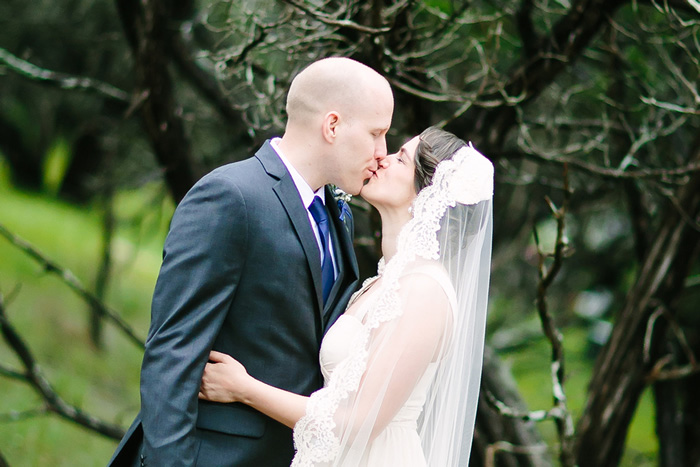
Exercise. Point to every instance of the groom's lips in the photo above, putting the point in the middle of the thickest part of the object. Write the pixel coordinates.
(372, 173)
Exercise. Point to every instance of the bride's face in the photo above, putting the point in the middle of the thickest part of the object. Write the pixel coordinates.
(392, 185)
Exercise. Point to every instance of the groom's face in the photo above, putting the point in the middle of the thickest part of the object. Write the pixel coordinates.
(362, 146)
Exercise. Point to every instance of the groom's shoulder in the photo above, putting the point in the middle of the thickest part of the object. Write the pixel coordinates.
(240, 172)
(264, 162)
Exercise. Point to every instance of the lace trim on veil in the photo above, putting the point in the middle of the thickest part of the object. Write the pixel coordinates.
(467, 178)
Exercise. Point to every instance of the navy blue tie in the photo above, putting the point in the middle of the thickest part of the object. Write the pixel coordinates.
(318, 212)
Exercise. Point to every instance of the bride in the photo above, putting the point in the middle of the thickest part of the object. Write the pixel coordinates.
(402, 365)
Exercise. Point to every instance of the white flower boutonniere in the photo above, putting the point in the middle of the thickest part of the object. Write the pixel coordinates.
(342, 199)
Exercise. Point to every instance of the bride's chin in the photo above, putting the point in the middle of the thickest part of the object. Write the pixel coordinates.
(367, 196)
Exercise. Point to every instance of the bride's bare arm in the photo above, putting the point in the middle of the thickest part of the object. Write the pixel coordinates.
(226, 380)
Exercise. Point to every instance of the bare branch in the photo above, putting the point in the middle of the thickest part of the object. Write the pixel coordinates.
(527, 416)
(62, 80)
(73, 283)
(670, 106)
(609, 172)
(563, 420)
(14, 415)
(12, 374)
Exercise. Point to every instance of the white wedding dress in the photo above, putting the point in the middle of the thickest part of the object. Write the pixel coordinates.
(398, 444)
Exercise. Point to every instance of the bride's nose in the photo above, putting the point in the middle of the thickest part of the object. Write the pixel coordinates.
(387, 161)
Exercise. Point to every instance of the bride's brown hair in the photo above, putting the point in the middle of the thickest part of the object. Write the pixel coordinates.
(434, 146)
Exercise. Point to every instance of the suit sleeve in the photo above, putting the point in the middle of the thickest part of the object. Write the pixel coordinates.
(202, 262)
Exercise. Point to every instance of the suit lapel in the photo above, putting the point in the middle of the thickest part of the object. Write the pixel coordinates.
(348, 270)
(289, 196)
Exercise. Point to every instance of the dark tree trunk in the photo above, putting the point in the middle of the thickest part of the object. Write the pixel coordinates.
(88, 159)
(678, 412)
(147, 29)
(621, 371)
(669, 423)
(691, 415)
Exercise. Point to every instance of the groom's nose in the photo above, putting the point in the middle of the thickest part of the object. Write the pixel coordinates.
(380, 151)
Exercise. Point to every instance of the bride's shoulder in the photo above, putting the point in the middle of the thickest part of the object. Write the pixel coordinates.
(428, 278)
(427, 267)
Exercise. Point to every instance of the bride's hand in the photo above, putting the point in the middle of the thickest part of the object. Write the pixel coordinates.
(224, 379)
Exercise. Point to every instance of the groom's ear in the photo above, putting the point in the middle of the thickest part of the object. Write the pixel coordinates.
(330, 126)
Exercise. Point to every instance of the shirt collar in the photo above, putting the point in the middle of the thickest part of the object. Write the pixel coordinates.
(305, 191)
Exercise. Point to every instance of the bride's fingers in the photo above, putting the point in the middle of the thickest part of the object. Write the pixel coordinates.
(218, 357)
(201, 395)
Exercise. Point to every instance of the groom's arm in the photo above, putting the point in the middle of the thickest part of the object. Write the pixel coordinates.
(203, 257)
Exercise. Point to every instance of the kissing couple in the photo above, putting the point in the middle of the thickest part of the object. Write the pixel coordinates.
(261, 350)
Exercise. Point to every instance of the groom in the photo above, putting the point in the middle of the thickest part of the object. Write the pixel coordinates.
(242, 274)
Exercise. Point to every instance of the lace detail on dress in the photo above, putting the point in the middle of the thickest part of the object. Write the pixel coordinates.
(467, 178)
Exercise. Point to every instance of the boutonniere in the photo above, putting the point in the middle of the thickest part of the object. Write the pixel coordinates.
(342, 199)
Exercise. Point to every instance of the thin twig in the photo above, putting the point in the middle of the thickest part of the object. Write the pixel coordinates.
(73, 283)
(340, 23)
(12, 374)
(609, 172)
(14, 416)
(659, 372)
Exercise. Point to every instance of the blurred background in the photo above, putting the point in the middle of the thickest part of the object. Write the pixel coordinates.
(589, 109)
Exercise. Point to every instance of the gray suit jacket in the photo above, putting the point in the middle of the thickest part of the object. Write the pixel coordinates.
(241, 274)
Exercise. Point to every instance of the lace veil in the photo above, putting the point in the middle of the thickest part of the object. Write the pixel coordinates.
(409, 340)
